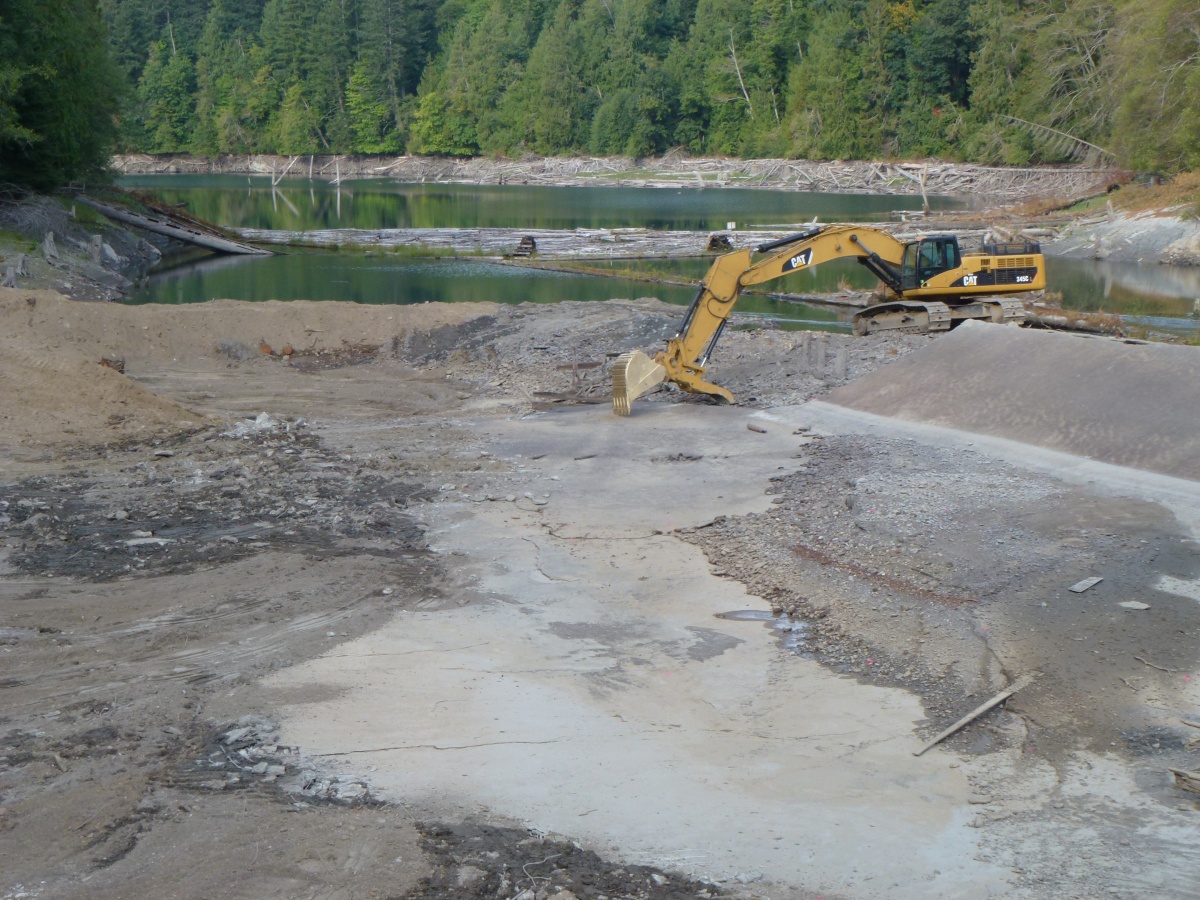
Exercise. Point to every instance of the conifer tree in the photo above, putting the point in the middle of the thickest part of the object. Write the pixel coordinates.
(58, 92)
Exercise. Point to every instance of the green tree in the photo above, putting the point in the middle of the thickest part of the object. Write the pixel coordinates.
(830, 93)
(168, 93)
(551, 106)
(440, 129)
(371, 119)
(58, 92)
(296, 125)
(1156, 57)
(236, 91)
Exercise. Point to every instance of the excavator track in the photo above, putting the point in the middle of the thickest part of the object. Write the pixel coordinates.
(1010, 312)
(923, 317)
(909, 316)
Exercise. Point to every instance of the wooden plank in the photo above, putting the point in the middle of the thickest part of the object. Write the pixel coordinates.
(167, 228)
(974, 714)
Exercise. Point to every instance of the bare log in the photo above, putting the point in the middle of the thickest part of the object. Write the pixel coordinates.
(974, 714)
(161, 225)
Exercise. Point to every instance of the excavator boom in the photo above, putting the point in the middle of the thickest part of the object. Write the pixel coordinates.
(686, 355)
(932, 283)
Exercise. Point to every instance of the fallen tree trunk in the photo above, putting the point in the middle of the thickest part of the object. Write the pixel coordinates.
(180, 232)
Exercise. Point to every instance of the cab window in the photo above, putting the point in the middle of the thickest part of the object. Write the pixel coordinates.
(908, 269)
(937, 257)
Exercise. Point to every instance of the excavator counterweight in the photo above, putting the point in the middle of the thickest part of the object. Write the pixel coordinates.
(932, 287)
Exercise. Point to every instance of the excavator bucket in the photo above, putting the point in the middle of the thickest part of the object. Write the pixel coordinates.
(633, 374)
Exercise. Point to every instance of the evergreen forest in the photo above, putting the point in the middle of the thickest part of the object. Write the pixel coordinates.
(996, 81)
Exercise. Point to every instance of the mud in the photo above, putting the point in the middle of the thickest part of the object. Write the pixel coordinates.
(437, 624)
(949, 576)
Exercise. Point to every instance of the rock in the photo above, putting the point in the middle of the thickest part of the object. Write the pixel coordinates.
(979, 799)
(348, 793)
(469, 875)
(259, 769)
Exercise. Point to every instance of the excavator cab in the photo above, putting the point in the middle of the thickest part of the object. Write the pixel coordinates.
(928, 257)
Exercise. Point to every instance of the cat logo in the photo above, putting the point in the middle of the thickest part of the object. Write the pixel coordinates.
(799, 261)
(970, 280)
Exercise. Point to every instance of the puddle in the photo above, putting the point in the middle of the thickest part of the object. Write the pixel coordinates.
(792, 634)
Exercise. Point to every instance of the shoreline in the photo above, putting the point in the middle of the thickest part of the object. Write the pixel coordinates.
(998, 184)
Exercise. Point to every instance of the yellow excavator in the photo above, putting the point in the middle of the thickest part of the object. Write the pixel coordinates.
(930, 284)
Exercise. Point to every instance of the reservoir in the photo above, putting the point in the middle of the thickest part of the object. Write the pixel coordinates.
(1150, 297)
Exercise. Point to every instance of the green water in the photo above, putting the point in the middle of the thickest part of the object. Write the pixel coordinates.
(383, 279)
(1128, 289)
(303, 205)
(1152, 297)
(825, 279)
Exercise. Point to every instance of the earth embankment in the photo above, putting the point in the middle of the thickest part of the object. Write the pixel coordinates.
(1129, 403)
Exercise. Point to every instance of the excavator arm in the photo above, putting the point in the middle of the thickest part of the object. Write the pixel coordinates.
(686, 355)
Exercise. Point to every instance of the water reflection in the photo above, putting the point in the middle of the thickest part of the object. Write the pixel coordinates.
(382, 279)
(1127, 288)
(303, 205)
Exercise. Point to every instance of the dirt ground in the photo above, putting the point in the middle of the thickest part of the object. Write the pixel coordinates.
(242, 583)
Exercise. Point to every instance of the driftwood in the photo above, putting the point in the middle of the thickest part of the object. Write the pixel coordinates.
(996, 183)
(580, 243)
(1068, 320)
(180, 231)
(1187, 781)
(974, 714)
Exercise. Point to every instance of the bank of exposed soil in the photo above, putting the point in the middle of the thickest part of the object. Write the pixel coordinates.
(153, 570)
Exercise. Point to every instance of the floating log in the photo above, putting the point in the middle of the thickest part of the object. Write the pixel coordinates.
(579, 243)
(173, 229)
